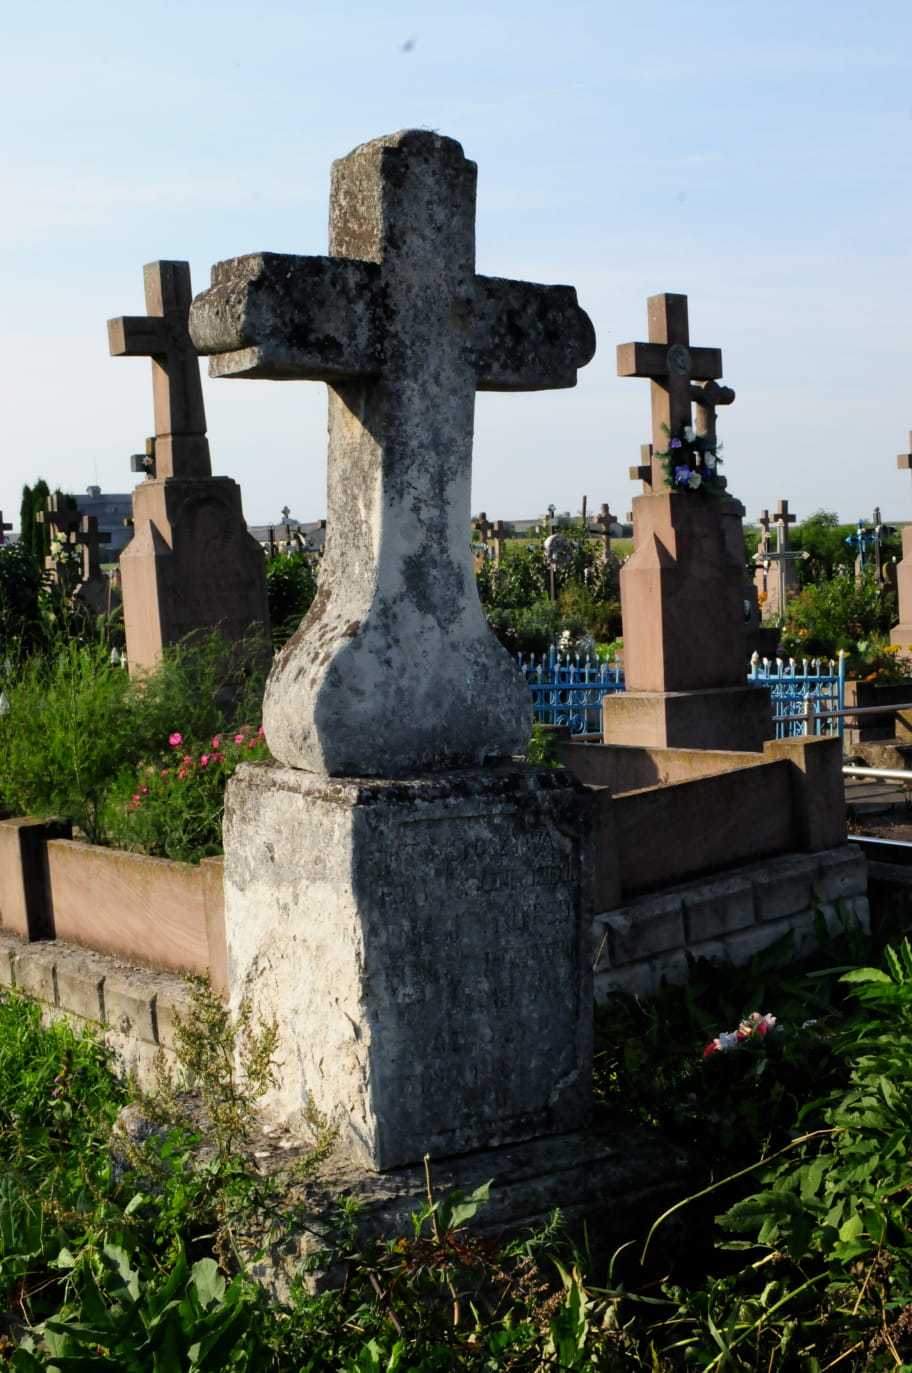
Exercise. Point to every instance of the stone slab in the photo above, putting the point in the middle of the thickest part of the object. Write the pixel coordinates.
(735, 718)
(423, 947)
(128, 905)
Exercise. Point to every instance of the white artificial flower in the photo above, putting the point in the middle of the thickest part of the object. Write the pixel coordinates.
(694, 480)
(709, 460)
(688, 433)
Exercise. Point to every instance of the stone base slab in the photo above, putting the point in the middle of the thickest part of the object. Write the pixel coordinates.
(735, 718)
(732, 916)
(423, 947)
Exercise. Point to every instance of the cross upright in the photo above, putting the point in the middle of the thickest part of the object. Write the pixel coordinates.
(672, 366)
(643, 472)
(404, 332)
(181, 447)
(3, 528)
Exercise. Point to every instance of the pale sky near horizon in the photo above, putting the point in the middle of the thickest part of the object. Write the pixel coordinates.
(754, 157)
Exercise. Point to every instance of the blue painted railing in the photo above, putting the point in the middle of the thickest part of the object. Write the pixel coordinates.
(799, 687)
(569, 691)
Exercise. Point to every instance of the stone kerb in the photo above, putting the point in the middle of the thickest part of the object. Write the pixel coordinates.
(414, 918)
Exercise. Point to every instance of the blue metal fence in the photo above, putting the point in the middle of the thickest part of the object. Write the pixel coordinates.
(569, 691)
(815, 685)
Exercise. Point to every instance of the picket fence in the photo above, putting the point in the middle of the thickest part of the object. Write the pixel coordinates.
(568, 690)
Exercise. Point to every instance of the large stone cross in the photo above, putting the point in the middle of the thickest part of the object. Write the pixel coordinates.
(672, 366)
(404, 331)
(181, 447)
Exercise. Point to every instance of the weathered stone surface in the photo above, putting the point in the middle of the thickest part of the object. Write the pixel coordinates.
(424, 948)
(404, 331)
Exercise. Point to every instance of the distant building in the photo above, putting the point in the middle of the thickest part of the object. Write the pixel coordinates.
(289, 535)
(110, 510)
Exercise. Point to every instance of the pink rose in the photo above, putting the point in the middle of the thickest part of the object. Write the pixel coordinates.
(175, 739)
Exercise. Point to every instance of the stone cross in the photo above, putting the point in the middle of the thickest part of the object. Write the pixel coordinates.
(643, 471)
(672, 366)
(3, 528)
(181, 447)
(63, 520)
(764, 523)
(404, 331)
(90, 539)
(484, 528)
(604, 519)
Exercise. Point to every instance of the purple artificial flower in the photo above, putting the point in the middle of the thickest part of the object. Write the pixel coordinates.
(682, 475)
(675, 443)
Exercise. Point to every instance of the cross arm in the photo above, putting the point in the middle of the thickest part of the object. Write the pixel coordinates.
(285, 317)
(527, 337)
(652, 360)
(137, 336)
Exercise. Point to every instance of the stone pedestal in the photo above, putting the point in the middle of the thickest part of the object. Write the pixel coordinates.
(734, 718)
(685, 662)
(423, 946)
(191, 565)
(901, 633)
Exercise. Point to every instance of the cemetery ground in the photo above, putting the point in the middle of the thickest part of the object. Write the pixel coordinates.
(129, 1233)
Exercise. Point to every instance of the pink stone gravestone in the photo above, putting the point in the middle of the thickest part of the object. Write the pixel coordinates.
(901, 633)
(191, 564)
(683, 589)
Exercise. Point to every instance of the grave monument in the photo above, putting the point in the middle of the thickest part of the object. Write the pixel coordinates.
(901, 633)
(684, 589)
(412, 908)
(191, 564)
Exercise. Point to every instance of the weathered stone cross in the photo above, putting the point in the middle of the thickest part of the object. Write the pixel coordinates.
(63, 519)
(764, 523)
(605, 520)
(404, 331)
(3, 528)
(181, 447)
(672, 366)
(90, 538)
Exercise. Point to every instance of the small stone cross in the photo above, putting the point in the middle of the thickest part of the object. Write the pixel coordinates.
(63, 519)
(483, 527)
(89, 537)
(402, 328)
(605, 520)
(181, 447)
(3, 528)
(764, 523)
(672, 366)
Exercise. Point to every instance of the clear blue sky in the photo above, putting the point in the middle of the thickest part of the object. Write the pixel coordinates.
(752, 156)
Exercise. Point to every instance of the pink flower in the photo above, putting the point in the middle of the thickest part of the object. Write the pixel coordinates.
(252, 743)
(187, 758)
(144, 790)
(175, 739)
(204, 759)
(260, 731)
(239, 738)
(216, 739)
(164, 772)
